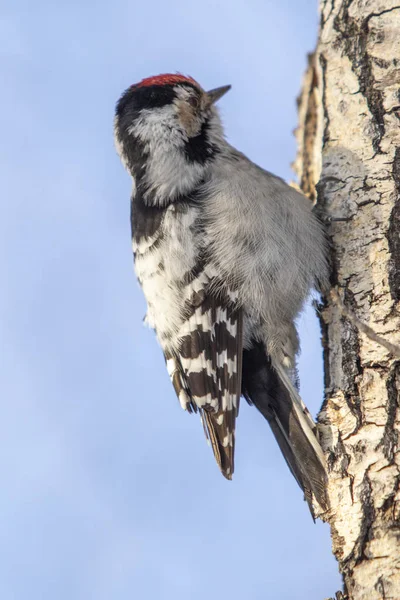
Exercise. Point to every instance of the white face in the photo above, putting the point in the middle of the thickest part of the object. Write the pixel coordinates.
(179, 121)
(165, 134)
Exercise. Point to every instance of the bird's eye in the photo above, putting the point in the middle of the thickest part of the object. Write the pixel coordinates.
(194, 101)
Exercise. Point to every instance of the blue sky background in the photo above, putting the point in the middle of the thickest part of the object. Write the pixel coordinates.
(108, 488)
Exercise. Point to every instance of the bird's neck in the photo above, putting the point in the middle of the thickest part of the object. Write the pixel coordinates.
(166, 175)
(167, 166)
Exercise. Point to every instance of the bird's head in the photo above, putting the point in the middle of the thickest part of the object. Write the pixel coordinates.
(167, 122)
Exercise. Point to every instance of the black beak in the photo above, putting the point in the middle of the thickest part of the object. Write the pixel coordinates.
(217, 93)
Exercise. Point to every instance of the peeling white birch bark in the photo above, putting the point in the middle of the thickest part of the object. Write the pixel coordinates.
(349, 156)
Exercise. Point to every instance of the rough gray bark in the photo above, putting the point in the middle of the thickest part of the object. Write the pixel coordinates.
(349, 157)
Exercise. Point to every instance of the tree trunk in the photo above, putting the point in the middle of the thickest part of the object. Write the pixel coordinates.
(349, 159)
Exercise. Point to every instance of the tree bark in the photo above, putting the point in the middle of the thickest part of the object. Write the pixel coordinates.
(349, 162)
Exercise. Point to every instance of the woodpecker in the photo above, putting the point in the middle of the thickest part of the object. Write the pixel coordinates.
(226, 254)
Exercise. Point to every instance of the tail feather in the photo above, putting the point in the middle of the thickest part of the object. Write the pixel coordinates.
(220, 431)
(268, 387)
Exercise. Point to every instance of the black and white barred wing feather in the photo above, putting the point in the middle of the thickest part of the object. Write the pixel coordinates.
(205, 367)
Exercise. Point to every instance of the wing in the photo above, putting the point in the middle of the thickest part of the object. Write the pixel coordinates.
(206, 365)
